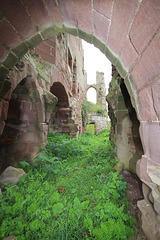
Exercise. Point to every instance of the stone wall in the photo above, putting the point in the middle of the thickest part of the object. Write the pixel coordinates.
(125, 134)
(42, 98)
(124, 123)
(99, 121)
(25, 125)
(69, 71)
(101, 90)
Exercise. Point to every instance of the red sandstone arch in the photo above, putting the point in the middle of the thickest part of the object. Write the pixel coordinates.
(61, 119)
(22, 133)
(59, 91)
(127, 32)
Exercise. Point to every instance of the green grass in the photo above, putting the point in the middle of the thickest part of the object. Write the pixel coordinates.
(89, 107)
(70, 192)
(90, 128)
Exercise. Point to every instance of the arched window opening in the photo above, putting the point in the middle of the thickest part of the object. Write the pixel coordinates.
(59, 91)
(16, 141)
(61, 113)
(92, 95)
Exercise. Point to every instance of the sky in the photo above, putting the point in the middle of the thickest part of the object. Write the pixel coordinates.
(94, 61)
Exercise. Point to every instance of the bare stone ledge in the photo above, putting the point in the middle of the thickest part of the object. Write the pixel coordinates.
(150, 220)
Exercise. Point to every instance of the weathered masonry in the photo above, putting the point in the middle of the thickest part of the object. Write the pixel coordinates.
(48, 86)
(124, 123)
(128, 33)
(98, 118)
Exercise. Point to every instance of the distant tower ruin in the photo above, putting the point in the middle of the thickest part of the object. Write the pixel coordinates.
(99, 118)
(101, 90)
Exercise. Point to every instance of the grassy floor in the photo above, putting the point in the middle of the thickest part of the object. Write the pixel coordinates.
(70, 192)
(90, 128)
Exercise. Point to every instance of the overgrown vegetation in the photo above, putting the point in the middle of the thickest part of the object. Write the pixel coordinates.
(89, 107)
(90, 128)
(71, 192)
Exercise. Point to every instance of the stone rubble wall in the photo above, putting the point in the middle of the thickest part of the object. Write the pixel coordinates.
(124, 133)
(27, 107)
(124, 124)
(99, 121)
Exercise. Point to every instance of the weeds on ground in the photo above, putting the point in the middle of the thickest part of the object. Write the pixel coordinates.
(70, 192)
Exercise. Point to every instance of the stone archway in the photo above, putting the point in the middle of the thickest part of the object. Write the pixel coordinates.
(27, 108)
(61, 118)
(59, 91)
(22, 135)
(127, 32)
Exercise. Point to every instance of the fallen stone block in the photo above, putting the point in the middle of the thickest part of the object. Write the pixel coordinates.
(11, 175)
(150, 220)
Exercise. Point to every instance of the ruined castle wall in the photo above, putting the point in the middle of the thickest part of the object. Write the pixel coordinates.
(124, 124)
(99, 121)
(29, 108)
(101, 89)
(99, 118)
(135, 53)
(30, 104)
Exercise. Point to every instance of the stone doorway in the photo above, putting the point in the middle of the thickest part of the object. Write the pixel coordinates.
(91, 128)
(61, 118)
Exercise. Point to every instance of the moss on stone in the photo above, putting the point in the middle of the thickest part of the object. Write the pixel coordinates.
(42, 67)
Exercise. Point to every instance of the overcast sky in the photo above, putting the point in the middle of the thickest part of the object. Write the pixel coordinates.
(94, 61)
